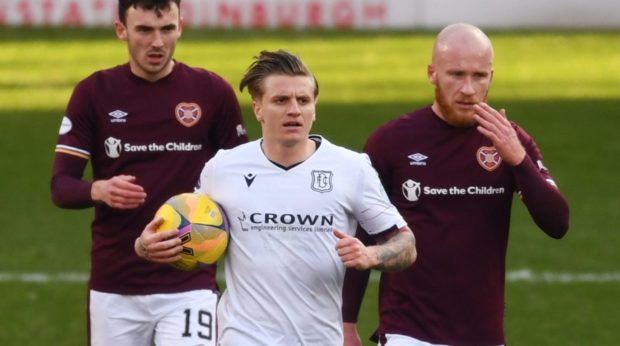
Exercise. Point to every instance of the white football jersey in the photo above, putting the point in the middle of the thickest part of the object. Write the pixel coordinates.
(283, 274)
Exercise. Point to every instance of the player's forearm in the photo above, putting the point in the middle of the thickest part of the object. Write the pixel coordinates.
(351, 336)
(397, 252)
(545, 202)
(68, 190)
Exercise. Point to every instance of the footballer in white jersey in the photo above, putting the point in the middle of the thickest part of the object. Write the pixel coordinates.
(283, 274)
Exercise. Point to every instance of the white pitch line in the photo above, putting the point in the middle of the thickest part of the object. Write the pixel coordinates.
(521, 275)
(549, 277)
(527, 275)
(43, 277)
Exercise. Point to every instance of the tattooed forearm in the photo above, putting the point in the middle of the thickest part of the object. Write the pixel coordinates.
(397, 252)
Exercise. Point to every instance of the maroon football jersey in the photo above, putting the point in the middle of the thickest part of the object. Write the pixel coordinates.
(162, 132)
(455, 192)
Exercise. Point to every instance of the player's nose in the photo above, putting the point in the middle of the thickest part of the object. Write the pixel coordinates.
(294, 108)
(468, 87)
(158, 41)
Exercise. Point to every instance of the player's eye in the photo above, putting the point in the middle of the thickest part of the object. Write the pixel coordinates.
(143, 29)
(168, 28)
(481, 75)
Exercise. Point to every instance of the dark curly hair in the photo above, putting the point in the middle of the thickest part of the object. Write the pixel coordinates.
(157, 5)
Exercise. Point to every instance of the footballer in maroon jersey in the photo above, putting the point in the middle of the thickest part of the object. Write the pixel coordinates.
(147, 127)
(451, 169)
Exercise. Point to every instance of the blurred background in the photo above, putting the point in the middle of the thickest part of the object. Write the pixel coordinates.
(557, 73)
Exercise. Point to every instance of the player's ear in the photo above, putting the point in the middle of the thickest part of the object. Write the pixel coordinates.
(316, 99)
(431, 73)
(181, 25)
(257, 108)
(120, 29)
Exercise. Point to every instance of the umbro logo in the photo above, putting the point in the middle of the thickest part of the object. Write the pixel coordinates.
(249, 178)
(417, 159)
(118, 116)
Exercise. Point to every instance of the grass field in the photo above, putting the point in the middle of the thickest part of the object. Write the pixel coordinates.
(563, 88)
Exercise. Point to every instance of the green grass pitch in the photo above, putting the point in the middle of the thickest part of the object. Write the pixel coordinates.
(562, 87)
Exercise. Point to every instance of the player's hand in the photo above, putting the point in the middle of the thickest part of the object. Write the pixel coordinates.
(351, 336)
(494, 125)
(353, 253)
(160, 247)
(118, 192)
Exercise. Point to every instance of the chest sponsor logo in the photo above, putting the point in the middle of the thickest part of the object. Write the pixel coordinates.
(417, 159)
(188, 114)
(278, 222)
(488, 158)
(413, 190)
(322, 181)
(118, 116)
(114, 147)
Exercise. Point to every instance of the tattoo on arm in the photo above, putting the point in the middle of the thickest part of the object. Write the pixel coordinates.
(397, 252)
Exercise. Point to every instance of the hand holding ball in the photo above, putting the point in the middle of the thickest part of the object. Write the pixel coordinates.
(202, 227)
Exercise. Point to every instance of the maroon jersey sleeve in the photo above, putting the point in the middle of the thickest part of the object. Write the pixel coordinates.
(68, 189)
(355, 283)
(228, 131)
(539, 193)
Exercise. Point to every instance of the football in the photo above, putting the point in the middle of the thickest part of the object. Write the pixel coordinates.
(202, 225)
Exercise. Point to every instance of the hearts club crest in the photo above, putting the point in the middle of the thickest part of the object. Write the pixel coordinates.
(488, 158)
(188, 114)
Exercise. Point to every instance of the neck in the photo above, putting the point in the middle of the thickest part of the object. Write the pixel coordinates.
(152, 77)
(437, 110)
(288, 155)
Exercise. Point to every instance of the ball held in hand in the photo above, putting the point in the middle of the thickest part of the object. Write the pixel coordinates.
(202, 226)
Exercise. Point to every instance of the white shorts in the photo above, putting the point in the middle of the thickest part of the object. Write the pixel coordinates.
(403, 340)
(179, 319)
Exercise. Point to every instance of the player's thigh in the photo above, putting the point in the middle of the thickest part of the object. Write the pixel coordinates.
(403, 340)
(189, 320)
(119, 320)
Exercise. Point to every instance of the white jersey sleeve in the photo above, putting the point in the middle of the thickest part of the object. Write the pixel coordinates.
(373, 210)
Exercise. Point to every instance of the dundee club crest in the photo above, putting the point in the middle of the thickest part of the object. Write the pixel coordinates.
(322, 181)
(188, 114)
(488, 158)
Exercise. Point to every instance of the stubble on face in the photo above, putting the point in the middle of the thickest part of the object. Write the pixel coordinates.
(149, 59)
(450, 113)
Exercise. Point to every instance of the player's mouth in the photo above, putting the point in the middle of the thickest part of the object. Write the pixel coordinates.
(155, 58)
(292, 124)
(466, 104)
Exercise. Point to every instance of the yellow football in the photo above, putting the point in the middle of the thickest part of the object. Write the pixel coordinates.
(202, 226)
